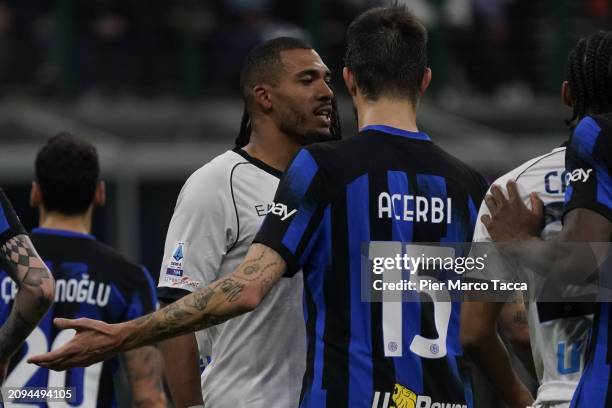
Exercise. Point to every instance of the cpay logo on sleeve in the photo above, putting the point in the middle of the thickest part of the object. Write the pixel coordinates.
(174, 265)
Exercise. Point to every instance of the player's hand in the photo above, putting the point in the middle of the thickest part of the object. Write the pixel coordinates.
(510, 219)
(94, 341)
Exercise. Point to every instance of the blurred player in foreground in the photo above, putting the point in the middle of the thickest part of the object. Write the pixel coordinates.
(587, 214)
(333, 198)
(258, 359)
(92, 280)
(559, 331)
(33, 282)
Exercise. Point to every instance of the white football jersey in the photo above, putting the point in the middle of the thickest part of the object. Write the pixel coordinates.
(558, 331)
(257, 359)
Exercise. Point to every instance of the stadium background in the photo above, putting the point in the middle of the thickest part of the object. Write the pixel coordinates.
(154, 85)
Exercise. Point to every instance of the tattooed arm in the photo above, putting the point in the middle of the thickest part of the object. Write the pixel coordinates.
(145, 376)
(36, 289)
(235, 294)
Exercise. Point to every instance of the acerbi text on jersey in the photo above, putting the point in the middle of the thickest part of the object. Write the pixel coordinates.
(404, 207)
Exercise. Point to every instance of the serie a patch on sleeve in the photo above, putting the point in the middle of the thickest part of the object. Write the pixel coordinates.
(174, 264)
(174, 273)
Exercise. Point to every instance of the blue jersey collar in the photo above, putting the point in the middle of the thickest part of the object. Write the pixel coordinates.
(62, 233)
(398, 132)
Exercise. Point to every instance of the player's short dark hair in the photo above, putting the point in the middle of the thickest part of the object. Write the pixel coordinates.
(589, 75)
(67, 171)
(387, 52)
(263, 64)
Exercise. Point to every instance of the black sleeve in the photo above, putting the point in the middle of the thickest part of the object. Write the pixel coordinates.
(588, 163)
(10, 225)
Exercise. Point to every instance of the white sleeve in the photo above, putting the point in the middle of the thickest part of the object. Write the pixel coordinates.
(480, 231)
(496, 266)
(202, 229)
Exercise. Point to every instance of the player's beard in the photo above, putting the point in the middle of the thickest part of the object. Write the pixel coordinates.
(293, 123)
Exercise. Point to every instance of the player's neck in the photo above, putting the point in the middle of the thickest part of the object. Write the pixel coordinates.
(76, 223)
(276, 150)
(400, 114)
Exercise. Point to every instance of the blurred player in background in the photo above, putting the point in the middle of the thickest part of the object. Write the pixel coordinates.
(92, 280)
(333, 198)
(558, 331)
(28, 276)
(257, 360)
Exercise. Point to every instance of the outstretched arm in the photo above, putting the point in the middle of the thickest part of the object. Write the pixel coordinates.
(235, 294)
(36, 290)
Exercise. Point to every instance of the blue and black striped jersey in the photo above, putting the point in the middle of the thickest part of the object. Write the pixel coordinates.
(589, 163)
(385, 184)
(91, 280)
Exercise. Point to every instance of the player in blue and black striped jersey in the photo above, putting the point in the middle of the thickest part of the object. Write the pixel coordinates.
(390, 182)
(92, 280)
(588, 209)
(384, 184)
(589, 161)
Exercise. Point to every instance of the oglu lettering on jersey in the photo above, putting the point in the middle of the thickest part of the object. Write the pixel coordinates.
(70, 290)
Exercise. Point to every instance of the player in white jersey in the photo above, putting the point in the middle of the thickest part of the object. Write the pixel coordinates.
(558, 331)
(257, 359)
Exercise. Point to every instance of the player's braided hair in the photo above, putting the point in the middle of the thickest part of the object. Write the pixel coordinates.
(589, 75)
(244, 135)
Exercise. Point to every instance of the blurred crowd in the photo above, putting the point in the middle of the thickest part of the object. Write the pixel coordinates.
(192, 48)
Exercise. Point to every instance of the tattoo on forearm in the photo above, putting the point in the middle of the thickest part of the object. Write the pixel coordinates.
(251, 269)
(231, 289)
(22, 262)
(209, 306)
(199, 300)
(13, 332)
(141, 321)
(23, 265)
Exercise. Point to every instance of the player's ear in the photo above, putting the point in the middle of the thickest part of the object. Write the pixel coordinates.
(349, 81)
(425, 81)
(35, 195)
(566, 94)
(100, 194)
(261, 96)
